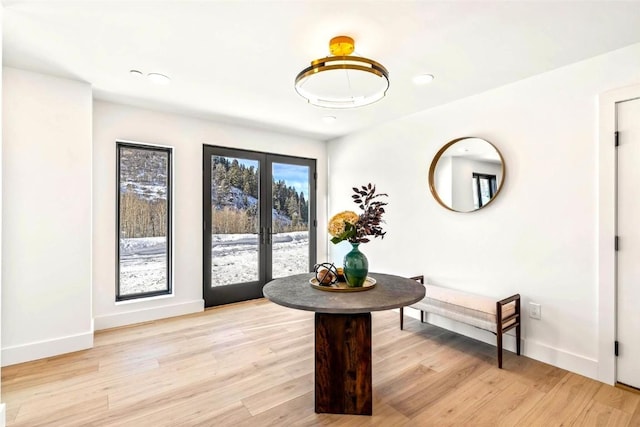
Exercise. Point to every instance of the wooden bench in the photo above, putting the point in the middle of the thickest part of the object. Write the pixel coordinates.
(480, 311)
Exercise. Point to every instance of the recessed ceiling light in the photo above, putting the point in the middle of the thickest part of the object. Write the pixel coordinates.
(158, 78)
(423, 79)
(329, 119)
(135, 73)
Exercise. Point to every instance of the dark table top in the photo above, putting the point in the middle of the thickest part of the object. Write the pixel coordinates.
(389, 292)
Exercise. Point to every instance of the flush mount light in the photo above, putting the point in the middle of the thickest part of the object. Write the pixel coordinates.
(423, 79)
(342, 81)
(158, 78)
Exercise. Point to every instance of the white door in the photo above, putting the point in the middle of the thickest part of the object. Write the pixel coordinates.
(628, 255)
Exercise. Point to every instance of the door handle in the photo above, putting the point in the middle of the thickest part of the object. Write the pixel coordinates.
(265, 235)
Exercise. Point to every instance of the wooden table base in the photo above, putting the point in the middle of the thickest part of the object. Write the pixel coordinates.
(343, 363)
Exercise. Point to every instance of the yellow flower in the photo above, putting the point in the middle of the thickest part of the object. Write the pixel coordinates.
(336, 224)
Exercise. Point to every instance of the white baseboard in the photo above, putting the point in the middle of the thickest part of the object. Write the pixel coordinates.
(3, 417)
(147, 314)
(48, 348)
(535, 350)
(562, 359)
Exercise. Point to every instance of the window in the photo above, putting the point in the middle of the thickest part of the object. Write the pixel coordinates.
(484, 188)
(143, 221)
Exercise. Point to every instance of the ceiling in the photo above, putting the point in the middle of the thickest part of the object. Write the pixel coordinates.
(235, 61)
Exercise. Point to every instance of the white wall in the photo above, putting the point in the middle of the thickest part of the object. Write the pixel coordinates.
(2, 405)
(539, 238)
(46, 211)
(113, 122)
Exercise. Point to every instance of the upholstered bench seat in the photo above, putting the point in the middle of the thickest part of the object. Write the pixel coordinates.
(472, 309)
(476, 310)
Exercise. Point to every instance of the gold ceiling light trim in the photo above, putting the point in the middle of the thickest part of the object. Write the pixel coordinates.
(342, 81)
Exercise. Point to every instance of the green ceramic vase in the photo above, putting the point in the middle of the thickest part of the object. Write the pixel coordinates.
(355, 266)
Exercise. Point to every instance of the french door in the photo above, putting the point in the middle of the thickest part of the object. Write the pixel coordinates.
(259, 221)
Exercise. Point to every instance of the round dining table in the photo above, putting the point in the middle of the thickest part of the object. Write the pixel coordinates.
(343, 367)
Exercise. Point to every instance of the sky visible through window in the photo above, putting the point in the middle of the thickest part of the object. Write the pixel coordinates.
(295, 176)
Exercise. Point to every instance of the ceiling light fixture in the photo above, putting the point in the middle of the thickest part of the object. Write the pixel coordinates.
(342, 81)
(158, 78)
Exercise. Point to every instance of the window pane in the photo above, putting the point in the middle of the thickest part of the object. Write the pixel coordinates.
(234, 220)
(143, 221)
(485, 192)
(474, 188)
(290, 219)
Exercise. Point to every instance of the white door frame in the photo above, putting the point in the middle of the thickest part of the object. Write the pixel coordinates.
(606, 229)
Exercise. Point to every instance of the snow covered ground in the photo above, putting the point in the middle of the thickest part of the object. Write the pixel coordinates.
(143, 265)
(234, 260)
(235, 256)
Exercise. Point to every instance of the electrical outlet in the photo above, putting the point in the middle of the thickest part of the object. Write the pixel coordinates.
(535, 311)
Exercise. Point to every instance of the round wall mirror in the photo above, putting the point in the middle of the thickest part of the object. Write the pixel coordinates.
(466, 174)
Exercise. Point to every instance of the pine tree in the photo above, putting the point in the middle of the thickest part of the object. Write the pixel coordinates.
(221, 184)
(304, 209)
(235, 174)
(292, 210)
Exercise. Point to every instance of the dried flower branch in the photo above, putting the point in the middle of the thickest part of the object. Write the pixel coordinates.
(355, 228)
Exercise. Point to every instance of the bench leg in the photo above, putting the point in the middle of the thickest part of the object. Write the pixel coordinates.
(402, 317)
(518, 327)
(499, 347)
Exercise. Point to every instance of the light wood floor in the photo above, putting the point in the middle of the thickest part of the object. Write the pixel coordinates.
(251, 364)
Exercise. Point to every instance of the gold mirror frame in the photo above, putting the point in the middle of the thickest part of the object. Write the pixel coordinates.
(434, 163)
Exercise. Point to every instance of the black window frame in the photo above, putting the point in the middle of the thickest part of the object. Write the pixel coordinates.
(169, 226)
(493, 186)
